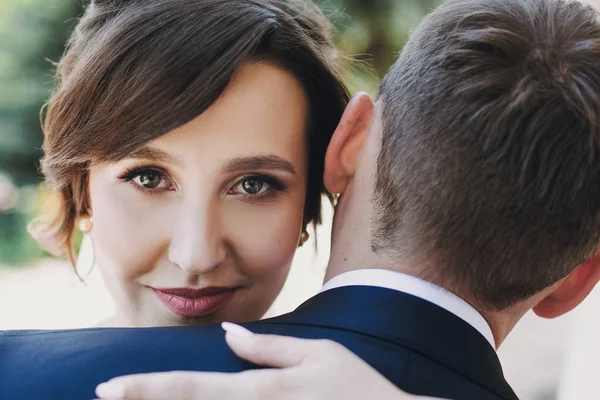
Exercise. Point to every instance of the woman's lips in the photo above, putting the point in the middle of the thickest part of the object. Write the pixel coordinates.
(195, 302)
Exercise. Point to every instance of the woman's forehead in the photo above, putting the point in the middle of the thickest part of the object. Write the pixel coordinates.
(263, 110)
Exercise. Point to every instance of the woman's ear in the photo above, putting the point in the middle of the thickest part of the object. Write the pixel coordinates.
(572, 290)
(346, 143)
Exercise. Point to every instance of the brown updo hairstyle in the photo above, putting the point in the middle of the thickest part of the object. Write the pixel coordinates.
(134, 70)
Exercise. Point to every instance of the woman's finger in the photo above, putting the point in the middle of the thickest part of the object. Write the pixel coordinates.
(186, 385)
(274, 350)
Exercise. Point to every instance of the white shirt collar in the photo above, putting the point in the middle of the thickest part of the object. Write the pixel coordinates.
(417, 287)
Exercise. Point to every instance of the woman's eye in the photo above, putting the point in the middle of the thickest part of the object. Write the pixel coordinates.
(150, 180)
(252, 185)
(257, 187)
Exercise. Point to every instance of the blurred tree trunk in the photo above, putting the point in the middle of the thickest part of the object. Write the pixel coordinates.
(374, 31)
(33, 34)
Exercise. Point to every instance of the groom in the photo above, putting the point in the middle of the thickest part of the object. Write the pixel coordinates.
(470, 195)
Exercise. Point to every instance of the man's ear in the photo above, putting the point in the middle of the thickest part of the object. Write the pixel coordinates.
(346, 143)
(572, 290)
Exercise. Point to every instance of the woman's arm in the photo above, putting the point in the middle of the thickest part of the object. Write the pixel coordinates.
(302, 369)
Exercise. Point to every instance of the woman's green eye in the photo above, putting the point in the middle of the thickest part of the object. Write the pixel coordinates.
(252, 185)
(149, 180)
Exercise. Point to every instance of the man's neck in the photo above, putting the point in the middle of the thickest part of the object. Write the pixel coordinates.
(350, 259)
(351, 250)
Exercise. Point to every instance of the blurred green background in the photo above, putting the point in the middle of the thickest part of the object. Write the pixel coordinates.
(32, 37)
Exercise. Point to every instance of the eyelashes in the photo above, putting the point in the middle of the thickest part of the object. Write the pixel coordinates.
(129, 174)
(271, 185)
(153, 180)
(150, 179)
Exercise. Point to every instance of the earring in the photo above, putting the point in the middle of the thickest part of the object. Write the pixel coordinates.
(303, 238)
(85, 223)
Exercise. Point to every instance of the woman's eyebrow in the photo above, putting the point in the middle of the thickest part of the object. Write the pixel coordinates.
(152, 154)
(259, 162)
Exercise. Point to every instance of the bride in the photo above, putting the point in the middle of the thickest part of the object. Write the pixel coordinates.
(192, 158)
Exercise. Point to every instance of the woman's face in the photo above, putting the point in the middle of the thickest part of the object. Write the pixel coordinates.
(201, 225)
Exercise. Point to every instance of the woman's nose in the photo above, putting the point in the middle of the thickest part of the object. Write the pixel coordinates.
(197, 245)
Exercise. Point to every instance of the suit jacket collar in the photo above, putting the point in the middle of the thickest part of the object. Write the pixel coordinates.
(417, 287)
(410, 322)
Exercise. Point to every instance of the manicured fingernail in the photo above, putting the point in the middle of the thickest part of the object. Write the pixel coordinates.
(109, 390)
(236, 330)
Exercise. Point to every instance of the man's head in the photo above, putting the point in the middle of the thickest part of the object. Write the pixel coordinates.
(488, 161)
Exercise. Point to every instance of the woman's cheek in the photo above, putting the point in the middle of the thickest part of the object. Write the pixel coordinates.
(264, 237)
(126, 232)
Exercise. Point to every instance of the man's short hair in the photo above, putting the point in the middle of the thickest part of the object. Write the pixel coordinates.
(489, 169)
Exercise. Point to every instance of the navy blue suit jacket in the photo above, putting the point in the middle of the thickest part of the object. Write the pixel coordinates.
(417, 345)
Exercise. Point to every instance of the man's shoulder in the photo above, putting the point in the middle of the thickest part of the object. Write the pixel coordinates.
(400, 363)
(425, 376)
(104, 334)
(105, 342)
(43, 363)
(408, 339)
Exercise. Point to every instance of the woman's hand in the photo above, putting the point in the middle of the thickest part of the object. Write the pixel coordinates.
(305, 369)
